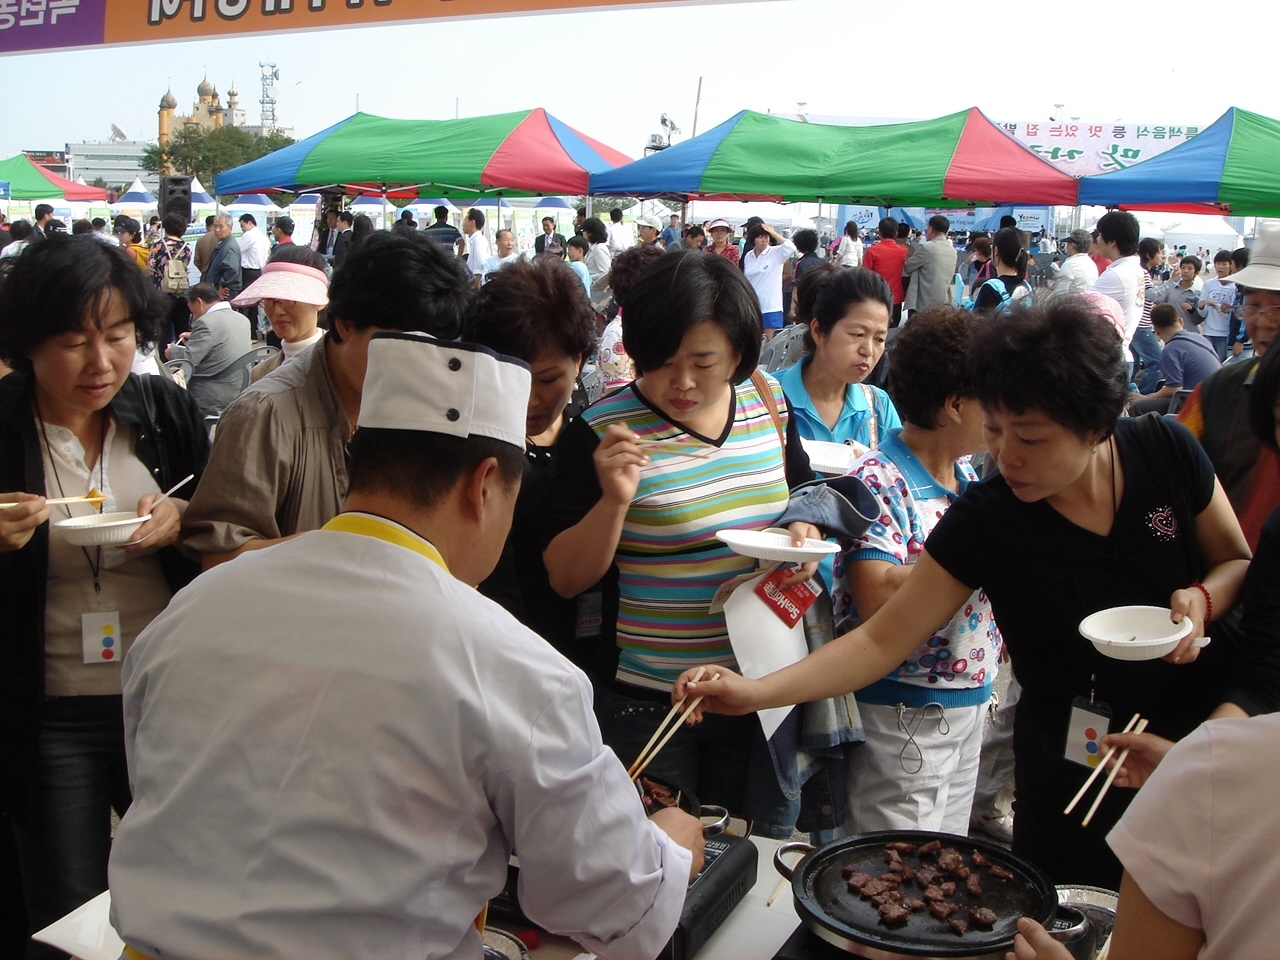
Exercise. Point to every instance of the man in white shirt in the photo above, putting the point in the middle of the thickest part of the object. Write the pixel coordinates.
(620, 234)
(349, 780)
(477, 244)
(255, 248)
(1124, 280)
(1078, 272)
(1217, 300)
(506, 243)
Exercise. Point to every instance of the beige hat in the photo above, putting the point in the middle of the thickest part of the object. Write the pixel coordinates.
(1263, 271)
(416, 382)
(651, 222)
(286, 281)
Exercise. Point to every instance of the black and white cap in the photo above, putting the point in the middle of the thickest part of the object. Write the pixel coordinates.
(416, 382)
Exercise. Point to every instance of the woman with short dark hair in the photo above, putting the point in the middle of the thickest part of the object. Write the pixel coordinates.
(645, 478)
(538, 312)
(1088, 512)
(72, 418)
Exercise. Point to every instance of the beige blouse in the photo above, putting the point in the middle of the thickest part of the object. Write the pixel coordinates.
(277, 466)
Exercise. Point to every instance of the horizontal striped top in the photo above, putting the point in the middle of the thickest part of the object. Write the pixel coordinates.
(669, 562)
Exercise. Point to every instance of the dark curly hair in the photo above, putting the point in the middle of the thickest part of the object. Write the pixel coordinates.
(928, 363)
(1063, 359)
(627, 267)
(528, 307)
(59, 285)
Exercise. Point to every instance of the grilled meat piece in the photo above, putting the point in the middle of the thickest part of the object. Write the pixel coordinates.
(942, 909)
(973, 886)
(913, 904)
(892, 913)
(978, 860)
(928, 849)
(858, 880)
(893, 896)
(891, 855)
(934, 893)
(1000, 872)
(901, 847)
(983, 917)
(950, 860)
(876, 887)
(947, 887)
(959, 926)
(927, 876)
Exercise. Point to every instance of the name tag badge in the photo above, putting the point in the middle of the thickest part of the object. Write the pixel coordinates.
(1090, 722)
(101, 637)
(590, 615)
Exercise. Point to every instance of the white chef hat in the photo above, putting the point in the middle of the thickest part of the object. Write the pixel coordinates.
(416, 382)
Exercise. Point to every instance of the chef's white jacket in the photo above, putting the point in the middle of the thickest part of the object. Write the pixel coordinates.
(334, 746)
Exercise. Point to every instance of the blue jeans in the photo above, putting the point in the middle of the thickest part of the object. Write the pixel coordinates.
(64, 843)
(1145, 348)
(1221, 346)
(710, 759)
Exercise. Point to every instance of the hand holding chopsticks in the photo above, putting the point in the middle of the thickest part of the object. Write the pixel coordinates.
(1135, 725)
(646, 755)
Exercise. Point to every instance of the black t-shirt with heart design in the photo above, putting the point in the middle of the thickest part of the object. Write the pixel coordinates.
(1044, 575)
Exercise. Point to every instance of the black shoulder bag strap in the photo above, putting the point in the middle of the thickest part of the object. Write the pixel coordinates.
(157, 433)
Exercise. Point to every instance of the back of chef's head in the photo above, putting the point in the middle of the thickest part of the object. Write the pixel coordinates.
(431, 412)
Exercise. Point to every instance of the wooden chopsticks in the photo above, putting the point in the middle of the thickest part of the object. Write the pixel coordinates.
(1135, 725)
(646, 755)
(85, 499)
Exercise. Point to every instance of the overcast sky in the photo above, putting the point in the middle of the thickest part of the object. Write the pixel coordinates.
(612, 73)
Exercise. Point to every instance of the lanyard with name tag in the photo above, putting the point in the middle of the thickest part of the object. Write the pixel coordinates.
(1090, 722)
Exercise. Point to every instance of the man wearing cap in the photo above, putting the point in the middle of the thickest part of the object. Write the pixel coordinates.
(1218, 411)
(277, 467)
(350, 779)
(721, 232)
(1078, 272)
(282, 230)
(648, 230)
(217, 339)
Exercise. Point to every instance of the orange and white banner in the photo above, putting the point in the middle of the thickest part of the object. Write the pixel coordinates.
(29, 25)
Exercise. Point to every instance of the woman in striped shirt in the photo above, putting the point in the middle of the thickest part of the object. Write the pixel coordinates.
(646, 477)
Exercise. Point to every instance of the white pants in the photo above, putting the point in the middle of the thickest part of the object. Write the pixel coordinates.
(996, 768)
(895, 784)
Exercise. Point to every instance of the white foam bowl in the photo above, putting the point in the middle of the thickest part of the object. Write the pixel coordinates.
(1134, 633)
(101, 529)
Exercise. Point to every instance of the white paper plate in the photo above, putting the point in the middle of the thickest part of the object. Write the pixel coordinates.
(775, 544)
(832, 459)
(101, 529)
(1134, 632)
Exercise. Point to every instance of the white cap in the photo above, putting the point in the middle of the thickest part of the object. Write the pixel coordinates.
(416, 382)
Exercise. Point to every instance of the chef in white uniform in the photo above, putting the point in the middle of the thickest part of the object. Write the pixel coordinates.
(336, 742)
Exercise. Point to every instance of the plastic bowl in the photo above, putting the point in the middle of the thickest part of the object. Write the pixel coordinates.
(101, 529)
(1134, 633)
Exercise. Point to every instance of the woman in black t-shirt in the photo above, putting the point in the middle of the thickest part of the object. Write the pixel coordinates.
(539, 313)
(1010, 262)
(1086, 514)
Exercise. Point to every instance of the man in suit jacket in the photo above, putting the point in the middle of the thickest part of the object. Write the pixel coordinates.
(343, 241)
(218, 338)
(549, 242)
(223, 271)
(932, 267)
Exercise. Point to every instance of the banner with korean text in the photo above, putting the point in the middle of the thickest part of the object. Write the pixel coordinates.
(29, 25)
(1083, 149)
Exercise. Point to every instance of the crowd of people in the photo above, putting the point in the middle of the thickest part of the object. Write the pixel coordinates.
(329, 744)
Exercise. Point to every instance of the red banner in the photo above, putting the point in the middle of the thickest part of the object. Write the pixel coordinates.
(28, 25)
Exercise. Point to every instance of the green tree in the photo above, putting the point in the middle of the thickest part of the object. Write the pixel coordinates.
(207, 153)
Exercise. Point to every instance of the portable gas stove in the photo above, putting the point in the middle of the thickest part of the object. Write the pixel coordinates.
(729, 871)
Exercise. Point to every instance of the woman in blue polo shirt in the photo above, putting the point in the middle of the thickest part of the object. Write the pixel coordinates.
(845, 341)
(924, 721)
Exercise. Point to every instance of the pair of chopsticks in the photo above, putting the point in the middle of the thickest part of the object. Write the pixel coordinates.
(676, 448)
(1135, 725)
(95, 500)
(646, 755)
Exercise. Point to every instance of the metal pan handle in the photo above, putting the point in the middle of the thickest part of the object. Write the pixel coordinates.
(781, 865)
(714, 819)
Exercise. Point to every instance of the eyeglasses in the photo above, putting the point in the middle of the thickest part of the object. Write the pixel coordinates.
(1253, 311)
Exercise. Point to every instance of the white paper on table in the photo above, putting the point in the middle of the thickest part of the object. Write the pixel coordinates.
(85, 932)
(762, 643)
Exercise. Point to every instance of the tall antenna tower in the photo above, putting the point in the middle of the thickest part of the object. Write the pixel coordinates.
(268, 102)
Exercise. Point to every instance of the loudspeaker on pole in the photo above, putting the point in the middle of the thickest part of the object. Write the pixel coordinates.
(174, 196)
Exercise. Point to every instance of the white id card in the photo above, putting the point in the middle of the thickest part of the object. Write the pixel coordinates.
(1090, 722)
(101, 637)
